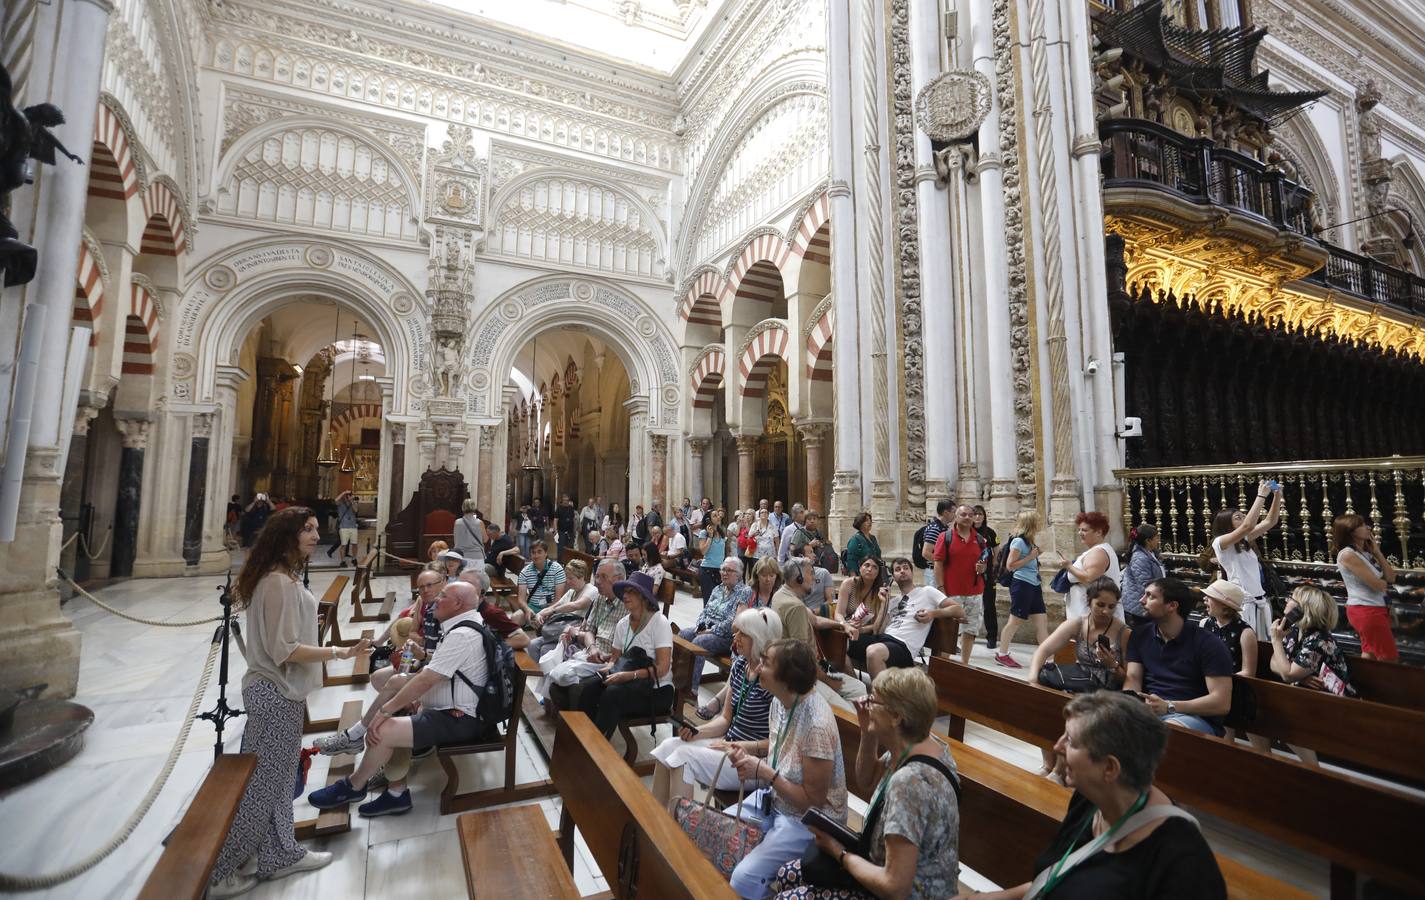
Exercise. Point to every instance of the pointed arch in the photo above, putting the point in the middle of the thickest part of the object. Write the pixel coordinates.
(819, 342)
(766, 343)
(708, 373)
(700, 295)
(355, 412)
(140, 331)
(807, 238)
(164, 220)
(89, 291)
(114, 171)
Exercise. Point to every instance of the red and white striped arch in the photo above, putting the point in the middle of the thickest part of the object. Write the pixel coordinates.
(88, 293)
(112, 171)
(819, 348)
(757, 272)
(163, 215)
(811, 239)
(700, 304)
(708, 375)
(761, 354)
(356, 412)
(140, 332)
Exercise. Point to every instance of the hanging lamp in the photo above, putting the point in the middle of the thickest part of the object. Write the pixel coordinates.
(326, 456)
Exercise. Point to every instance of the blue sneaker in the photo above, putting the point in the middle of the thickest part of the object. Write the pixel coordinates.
(338, 793)
(388, 804)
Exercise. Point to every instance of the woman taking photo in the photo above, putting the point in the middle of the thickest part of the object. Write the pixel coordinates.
(1097, 561)
(1234, 544)
(910, 840)
(1144, 568)
(692, 756)
(863, 544)
(712, 544)
(613, 520)
(1368, 576)
(1026, 592)
(800, 763)
(638, 681)
(284, 665)
(1139, 844)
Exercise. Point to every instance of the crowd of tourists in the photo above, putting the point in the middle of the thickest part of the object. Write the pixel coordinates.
(772, 590)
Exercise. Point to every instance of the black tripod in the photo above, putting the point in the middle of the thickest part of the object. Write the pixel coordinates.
(221, 712)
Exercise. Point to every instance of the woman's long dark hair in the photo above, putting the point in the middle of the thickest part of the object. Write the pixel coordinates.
(276, 549)
(1222, 524)
(1140, 536)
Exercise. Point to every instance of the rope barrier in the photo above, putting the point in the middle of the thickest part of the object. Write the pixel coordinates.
(402, 559)
(84, 545)
(72, 538)
(123, 615)
(17, 883)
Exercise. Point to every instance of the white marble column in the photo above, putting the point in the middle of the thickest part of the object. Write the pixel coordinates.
(222, 453)
(697, 447)
(37, 641)
(638, 486)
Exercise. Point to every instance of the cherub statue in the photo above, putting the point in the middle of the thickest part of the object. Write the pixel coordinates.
(24, 135)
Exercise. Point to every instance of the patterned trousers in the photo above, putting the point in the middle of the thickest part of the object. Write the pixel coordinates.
(264, 818)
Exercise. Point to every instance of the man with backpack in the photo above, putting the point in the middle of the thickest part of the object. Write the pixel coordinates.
(464, 692)
(960, 561)
(923, 544)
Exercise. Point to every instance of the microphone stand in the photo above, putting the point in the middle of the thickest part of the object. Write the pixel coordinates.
(221, 712)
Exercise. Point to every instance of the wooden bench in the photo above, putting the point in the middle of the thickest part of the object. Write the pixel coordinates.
(635, 843)
(681, 668)
(1286, 797)
(360, 669)
(1006, 818)
(667, 593)
(361, 592)
(187, 861)
(511, 853)
(1393, 684)
(328, 628)
(451, 800)
(334, 821)
(943, 640)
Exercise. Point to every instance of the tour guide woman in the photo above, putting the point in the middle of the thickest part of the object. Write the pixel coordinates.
(915, 812)
(621, 692)
(1138, 843)
(284, 665)
(800, 762)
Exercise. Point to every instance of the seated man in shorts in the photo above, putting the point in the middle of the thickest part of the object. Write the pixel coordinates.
(447, 690)
(904, 622)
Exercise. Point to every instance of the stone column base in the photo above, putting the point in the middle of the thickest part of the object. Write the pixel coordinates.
(212, 562)
(1064, 506)
(845, 504)
(160, 567)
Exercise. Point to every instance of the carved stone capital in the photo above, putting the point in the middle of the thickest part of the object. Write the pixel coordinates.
(746, 444)
(83, 416)
(133, 433)
(813, 434)
(697, 445)
(487, 438)
(397, 430)
(203, 424)
(658, 443)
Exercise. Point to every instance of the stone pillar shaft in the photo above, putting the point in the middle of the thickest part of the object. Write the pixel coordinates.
(486, 478)
(697, 447)
(814, 441)
(197, 488)
(658, 462)
(134, 433)
(746, 472)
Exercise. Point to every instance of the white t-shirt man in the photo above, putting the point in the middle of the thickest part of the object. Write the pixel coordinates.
(902, 624)
(655, 633)
(677, 545)
(460, 650)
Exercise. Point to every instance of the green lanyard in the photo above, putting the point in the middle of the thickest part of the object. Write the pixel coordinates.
(1055, 875)
(886, 779)
(782, 732)
(747, 685)
(634, 636)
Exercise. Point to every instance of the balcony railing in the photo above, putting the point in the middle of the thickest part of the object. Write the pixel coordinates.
(1142, 153)
(1373, 280)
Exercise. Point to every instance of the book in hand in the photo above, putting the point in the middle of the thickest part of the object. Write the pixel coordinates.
(819, 820)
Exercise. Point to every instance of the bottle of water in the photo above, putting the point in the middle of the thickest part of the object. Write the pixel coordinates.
(408, 661)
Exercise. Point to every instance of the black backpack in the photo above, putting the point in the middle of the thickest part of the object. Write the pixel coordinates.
(497, 696)
(917, 555)
(1003, 573)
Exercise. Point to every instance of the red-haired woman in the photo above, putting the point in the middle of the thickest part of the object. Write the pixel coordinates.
(284, 665)
(1368, 576)
(1098, 561)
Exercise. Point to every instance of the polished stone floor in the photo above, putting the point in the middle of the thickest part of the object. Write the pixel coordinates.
(139, 680)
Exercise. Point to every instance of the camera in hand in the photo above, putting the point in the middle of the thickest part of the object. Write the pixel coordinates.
(1292, 617)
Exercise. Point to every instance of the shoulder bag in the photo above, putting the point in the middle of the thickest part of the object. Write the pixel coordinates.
(724, 838)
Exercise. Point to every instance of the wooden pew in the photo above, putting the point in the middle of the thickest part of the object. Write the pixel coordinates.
(1365, 835)
(667, 593)
(334, 821)
(511, 854)
(187, 861)
(1393, 684)
(360, 669)
(634, 842)
(328, 628)
(451, 800)
(684, 692)
(1006, 818)
(361, 592)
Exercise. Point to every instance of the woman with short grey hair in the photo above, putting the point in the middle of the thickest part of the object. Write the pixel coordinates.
(470, 534)
(1112, 744)
(695, 753)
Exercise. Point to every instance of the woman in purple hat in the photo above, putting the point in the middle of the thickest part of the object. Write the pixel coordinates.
(638, 680)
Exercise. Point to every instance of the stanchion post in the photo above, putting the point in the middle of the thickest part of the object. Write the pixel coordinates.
(221, 712)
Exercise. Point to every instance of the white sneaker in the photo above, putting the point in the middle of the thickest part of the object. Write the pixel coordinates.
(231, 886)
(314, 859)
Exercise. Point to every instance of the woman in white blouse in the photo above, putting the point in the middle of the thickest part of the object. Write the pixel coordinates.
(1234, 544)
(1098, 561)
(616, 693)
(284, 665)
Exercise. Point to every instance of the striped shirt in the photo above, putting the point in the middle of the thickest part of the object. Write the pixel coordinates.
(549, 586)
(749, 719)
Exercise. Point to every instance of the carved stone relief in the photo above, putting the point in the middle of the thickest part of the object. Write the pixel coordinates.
(908, 255)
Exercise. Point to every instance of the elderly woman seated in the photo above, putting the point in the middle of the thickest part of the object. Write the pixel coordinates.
(695, 753)
(713, 630)
(1122, 838)
(909, 845)
(638, 681)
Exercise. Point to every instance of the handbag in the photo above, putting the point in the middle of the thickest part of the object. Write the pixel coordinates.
(552, 629)
(1061, 583)
(725, 839)
(1072, 677)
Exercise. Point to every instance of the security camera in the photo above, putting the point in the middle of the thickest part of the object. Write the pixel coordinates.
(1132, 427)
(1092, 367)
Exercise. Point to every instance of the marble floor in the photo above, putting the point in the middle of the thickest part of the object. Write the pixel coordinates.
(139, 680)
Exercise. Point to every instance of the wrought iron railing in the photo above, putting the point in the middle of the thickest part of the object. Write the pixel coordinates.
(1372, 280)
(1138, 152)
(1389, 492)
